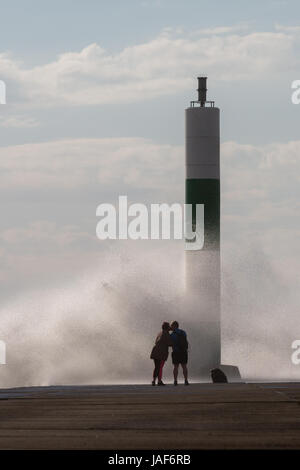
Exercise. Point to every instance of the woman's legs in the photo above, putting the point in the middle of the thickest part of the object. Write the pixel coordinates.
(161, 365)
(156, 368)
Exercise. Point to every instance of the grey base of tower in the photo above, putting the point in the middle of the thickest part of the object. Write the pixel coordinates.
(203, 303)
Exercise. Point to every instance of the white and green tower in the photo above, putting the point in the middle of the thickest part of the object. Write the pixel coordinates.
(202, 262)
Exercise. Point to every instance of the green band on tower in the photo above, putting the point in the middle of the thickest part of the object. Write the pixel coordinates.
(207, 192)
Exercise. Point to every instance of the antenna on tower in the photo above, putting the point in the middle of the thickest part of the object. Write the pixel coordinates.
(202, 89)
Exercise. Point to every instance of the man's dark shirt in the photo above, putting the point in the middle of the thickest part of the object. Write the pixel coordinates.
(175, 340)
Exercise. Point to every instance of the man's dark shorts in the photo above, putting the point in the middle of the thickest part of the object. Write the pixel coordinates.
(179, 357)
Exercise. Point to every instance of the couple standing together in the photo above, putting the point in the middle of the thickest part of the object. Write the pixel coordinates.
(178, 341)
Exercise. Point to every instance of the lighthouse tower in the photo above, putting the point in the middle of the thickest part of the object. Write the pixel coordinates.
(202, 261)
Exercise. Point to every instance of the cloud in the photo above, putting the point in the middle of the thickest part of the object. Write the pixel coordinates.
(159, 67)
(218, 30)
(20, 122)
(255, 173)
(267, 173)
(260, 187)
(101, 165)
(287, 29)
(43, 235)
(260, 204)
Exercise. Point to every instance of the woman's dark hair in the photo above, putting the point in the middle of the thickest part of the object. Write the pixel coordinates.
(165, 325)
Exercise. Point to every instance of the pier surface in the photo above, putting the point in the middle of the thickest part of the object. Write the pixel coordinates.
(201, 416)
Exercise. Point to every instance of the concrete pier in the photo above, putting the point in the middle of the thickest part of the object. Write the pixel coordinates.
(201, 416)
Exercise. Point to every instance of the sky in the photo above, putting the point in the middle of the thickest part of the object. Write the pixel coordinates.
(96, 93)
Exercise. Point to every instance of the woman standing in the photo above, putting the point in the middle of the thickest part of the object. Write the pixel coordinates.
(160, 352)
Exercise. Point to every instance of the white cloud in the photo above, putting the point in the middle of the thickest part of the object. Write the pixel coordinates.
(260, 201)
(43, 234)
(18, 121)
(260, 184)
(261, 172)
(269, 172)
(164, 65)
(287, 29)
(218, 30)
(119, 164)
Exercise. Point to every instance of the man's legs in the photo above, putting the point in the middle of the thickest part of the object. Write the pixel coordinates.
(185, 372)
(175, 372)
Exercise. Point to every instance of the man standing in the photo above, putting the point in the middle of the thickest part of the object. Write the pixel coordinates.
(179, 354)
